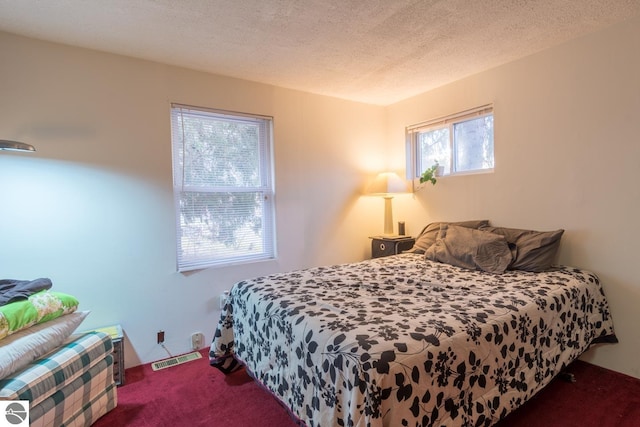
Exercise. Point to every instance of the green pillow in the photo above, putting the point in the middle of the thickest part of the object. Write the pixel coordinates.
(38, 308)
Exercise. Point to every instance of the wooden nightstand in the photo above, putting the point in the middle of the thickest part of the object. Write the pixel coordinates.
(390, 245)
(117, 338)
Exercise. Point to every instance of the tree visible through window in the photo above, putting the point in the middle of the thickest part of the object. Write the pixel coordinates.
(223, 187)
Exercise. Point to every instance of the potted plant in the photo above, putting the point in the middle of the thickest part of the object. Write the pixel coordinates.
(431, 173)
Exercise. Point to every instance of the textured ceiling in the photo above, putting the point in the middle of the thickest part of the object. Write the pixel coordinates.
(374, 51)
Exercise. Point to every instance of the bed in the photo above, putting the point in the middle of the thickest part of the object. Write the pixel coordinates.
(406, 340)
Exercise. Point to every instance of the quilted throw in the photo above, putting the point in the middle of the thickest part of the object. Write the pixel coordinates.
(403, 341)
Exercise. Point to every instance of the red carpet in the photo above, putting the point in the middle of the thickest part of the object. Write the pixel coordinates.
(195, 394)
(598, 398)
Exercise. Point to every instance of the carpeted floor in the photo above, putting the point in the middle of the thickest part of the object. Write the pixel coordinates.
(195, 394)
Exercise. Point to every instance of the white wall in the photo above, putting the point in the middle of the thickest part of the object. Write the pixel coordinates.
(93, 208)
(567, 150)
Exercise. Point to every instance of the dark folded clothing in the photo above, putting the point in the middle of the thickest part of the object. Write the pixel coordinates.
(14, 290)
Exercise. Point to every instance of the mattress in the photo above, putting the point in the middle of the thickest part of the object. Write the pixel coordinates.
(402, 340)
(71, 386)
(81, 402)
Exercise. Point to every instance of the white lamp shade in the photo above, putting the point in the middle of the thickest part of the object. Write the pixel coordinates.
(386, 184)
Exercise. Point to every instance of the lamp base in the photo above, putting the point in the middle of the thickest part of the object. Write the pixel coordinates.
(388, 216)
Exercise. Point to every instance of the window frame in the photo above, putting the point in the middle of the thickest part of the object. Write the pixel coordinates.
(414, 171)
(266, 187)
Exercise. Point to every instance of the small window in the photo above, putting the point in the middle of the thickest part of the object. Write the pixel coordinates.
(460, 143)
(223, 187)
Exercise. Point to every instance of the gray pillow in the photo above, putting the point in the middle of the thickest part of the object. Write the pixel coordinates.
(470, 248)
(429, 234)
(532, 250)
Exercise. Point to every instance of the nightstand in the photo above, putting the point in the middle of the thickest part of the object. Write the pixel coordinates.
(390, 245)
(117, 338)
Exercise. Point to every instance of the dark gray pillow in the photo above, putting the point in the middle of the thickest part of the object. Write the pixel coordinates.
(429, 234)
(470, 248)
(532, 250)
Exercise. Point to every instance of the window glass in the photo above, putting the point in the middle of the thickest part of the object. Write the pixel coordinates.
(473, 142)
(434, 147)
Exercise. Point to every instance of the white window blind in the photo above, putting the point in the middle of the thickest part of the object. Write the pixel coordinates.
(457, 117)
(223, 187)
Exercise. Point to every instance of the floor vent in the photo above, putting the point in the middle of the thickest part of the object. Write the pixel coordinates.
(173, 361)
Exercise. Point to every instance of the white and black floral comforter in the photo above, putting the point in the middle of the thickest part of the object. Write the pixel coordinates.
(403, 341)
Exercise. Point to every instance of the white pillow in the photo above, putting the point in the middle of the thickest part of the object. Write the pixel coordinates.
(23, 347)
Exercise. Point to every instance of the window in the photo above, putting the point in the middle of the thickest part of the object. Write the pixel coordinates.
(223, 187)
(460, 143)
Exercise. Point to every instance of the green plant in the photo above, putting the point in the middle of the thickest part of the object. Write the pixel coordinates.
(429, 174)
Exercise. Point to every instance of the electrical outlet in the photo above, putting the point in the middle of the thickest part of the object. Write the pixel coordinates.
(197, 339)
(160, 337)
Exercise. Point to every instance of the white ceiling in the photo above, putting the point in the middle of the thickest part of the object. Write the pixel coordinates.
(374, 51)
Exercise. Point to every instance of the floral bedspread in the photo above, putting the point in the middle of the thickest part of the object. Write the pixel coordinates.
(403, 341)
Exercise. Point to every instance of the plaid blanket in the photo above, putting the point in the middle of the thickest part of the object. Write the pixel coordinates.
(82, 402)
(71, 386)
(45, 376)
